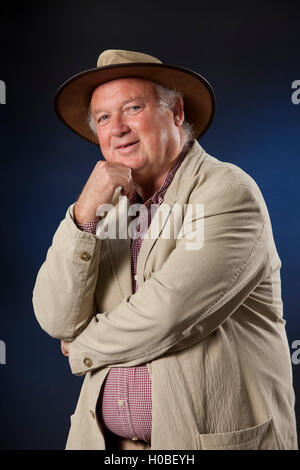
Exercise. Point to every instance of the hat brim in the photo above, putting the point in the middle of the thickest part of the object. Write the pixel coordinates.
(72, 99)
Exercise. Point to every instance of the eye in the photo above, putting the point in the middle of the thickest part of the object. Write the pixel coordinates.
(102, 119)
(133, 109)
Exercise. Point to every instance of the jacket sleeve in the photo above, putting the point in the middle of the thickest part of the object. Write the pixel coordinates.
(64, 303)
(192, 294)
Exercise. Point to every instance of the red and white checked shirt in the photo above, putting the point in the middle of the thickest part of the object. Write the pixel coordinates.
(125, 403)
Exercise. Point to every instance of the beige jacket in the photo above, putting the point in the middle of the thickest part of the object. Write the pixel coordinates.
(207, 322)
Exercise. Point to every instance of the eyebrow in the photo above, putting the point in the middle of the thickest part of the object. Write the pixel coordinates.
(122, 104)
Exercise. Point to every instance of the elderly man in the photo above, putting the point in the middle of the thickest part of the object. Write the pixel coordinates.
(180, 335)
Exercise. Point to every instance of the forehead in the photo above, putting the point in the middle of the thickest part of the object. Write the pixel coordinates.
(123, 89)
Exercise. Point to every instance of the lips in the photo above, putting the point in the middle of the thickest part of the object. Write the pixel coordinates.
(127, 145)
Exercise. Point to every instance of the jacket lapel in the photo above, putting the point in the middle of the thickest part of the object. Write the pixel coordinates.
(184, 174)
(157, 225)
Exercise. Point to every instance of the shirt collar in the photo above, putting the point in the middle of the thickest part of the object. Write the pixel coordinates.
(159, 194)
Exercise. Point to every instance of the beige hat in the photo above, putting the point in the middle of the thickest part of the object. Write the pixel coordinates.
(72, 99)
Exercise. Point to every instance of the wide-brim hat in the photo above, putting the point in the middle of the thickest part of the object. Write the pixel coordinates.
(72, 99)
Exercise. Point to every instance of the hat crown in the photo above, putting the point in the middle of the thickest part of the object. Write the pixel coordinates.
(115, 56)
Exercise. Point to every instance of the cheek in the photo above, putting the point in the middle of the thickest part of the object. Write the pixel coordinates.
(104, 147)
(103, 139)
(151, 132)
(158, 137)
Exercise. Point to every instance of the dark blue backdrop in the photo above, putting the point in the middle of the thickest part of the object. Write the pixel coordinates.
(248, 51)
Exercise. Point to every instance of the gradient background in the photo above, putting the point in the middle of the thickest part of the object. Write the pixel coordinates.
(248, 51)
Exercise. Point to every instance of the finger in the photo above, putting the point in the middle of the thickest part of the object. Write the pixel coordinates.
(127, 185)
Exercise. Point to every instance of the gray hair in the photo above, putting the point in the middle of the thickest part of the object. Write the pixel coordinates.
(166, 97)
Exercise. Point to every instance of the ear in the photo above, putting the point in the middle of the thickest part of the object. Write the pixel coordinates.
(178, 112)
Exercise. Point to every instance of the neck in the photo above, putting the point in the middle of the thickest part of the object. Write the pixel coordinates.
(148, 186)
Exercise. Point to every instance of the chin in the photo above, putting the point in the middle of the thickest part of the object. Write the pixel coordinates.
(133, 161)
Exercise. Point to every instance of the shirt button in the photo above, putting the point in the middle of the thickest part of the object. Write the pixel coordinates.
(121, 402)
(134, 438)
(87, 362)
(85, 256)
(135, 277)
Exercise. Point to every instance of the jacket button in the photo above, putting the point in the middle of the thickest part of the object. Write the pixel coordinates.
(85, 256)
(92, 414)
(87, 362)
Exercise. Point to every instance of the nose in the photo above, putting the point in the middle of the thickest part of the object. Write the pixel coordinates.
(119, 126)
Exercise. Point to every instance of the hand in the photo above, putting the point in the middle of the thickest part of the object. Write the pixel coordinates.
(100, 188)
(64, 345)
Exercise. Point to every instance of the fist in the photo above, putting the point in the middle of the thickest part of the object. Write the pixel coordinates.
(100, 187)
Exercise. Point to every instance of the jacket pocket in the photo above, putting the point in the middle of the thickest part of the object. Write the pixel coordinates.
(260, 437)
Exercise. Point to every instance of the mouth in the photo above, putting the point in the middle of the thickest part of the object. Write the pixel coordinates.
(130, 144)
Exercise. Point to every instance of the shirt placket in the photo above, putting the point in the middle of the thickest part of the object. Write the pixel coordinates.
(122, 393)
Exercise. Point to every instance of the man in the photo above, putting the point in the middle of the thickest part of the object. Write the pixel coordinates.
(180, 335)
